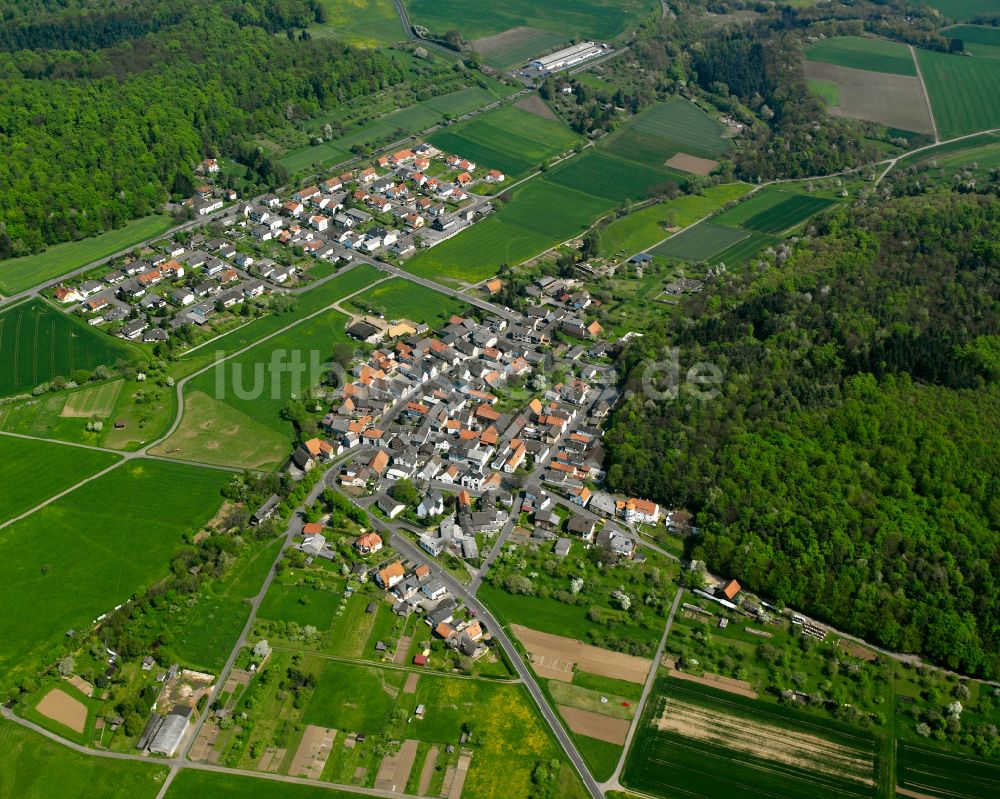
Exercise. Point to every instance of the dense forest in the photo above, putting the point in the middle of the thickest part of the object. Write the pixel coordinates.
(850, 465)
(92, 138)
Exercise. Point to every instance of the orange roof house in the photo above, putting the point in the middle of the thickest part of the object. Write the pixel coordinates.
(311, 528)
(494, 285)
(369, 542)
(380, 462)
(390, 575)
(731, 589)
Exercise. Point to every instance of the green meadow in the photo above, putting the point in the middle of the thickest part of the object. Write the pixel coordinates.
(858, 52)
(401, 299)
(23, 463)
(37, 768)
(18, 274)
(506, 138)
(78, 557)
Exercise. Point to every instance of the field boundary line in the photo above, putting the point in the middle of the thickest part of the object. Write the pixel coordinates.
(613, 783)
(927, 97)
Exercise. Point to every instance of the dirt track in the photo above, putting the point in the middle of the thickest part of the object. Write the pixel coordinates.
(595, 725)
(553, 656)
(63, 708)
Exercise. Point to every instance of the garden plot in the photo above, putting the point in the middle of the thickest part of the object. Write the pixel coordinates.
(553, 657)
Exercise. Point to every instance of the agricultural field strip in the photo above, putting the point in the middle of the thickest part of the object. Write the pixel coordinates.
(179, 388)
(760, 739)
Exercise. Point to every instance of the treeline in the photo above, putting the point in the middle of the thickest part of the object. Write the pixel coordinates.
(791, 134)
(97, 25)
(91, 140)
(849, 465)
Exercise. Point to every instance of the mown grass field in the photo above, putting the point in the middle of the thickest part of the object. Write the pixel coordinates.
(37, 768)
(18, 274)
(761, 201)
(600, 19)
(700, 242)
(665, 129)
(787, 214)
(401, 299)
(861, 52)
(614, 179)
(646, 227)
(38, 342)
(401, 123)
(507, 138)
(927, 771)
(23, 464)
(962, 90)
(718, 745)
(95, 401)
(77, 558)
(363, 23)
(236, 419)
(744, 250)
(303, 605)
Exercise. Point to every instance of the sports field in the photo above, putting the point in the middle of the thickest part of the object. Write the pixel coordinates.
(37, 768)
(215, 432)
(694, 741)
(18, 274)
(700, 242)
(665, 129)
(507, 138)
(962, 91)
(598, 19)
(935, 773)
(858, 52)
(77, 558)
(401, 299)
(24, 462)
(38, 342)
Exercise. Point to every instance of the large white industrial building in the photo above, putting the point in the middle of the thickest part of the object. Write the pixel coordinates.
(568, 57)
